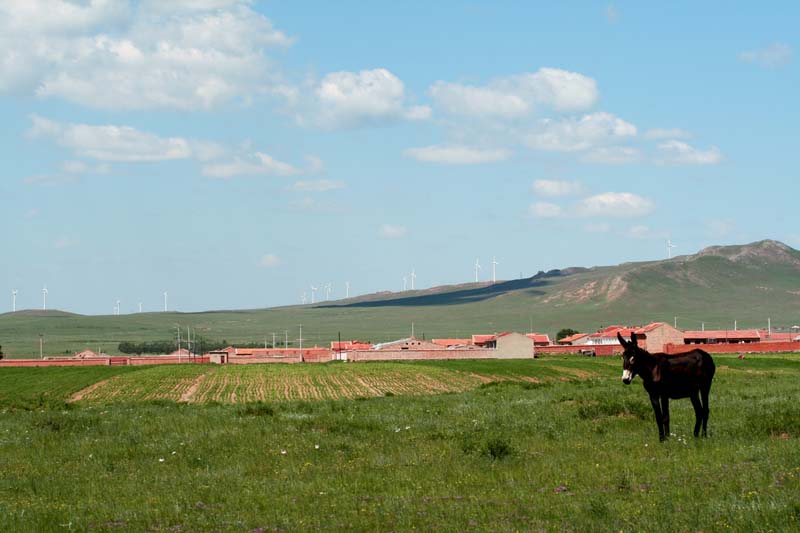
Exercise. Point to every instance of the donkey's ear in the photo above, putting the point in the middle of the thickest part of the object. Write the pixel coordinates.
(633, 339)
(621, 340)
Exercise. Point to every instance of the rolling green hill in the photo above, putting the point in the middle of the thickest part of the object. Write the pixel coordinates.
(747, 283)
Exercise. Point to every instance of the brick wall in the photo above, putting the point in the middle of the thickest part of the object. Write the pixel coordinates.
(416, 355)
(599, 349)
(251, 359)
(54, 362)
(749, 347)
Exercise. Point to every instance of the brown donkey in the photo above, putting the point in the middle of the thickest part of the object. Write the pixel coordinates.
(687, 375)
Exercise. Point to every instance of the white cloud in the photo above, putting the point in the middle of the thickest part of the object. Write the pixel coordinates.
(457, 99)
(316, 186)
(615, 204)
(392, 231)
(667, 133)
(269, 261)
(457, 155)
(256, 164)
(612, 155)
(680, 153)
(111, 143)
(774, 55)
(518, 95)
(114, 55)
(545, 210)
(574, 134)
(557, 187)
(351, 99)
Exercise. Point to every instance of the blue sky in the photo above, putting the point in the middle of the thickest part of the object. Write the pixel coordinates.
(236, 153)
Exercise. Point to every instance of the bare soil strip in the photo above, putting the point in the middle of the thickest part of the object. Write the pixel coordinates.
(78, 396)
(188, 394)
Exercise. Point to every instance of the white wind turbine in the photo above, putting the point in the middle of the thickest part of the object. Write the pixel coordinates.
(117, 308)
(14, 300)
(313, 293)
(302, 299)
(413, 277)
(405, 283)
(347, 289)
(328, 289)
(494, 270)
(670, 246)
(165, 301)
(477, 268)
(44, 298)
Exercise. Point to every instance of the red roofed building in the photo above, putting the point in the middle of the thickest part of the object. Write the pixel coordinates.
(652, 337)
(575, 340)
(483, 340)
(344, 346)
(737, 336)
(87, 353)
(449, 343)
(539, 339)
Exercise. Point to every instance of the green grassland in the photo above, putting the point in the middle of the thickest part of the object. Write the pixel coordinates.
(748, 284)
(549, 444)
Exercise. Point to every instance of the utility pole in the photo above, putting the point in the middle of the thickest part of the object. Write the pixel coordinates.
(285, 339)
(300, 340)
(412, 330)
(273, 340)
(179, 343)
(41, 345)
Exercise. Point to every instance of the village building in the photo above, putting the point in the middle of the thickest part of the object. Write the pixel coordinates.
(512, 345)
(539, 339)
(410, 343)
(738, 336)
(575, 340)
(453, 343)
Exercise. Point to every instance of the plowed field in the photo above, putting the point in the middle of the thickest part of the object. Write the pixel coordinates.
(248, 383)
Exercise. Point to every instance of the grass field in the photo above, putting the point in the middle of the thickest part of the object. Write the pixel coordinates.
(550, 444)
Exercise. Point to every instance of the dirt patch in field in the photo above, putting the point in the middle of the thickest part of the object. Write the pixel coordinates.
(574, 372)
(78, 396)
(188, 394)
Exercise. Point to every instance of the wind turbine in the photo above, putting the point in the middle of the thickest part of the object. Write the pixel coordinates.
(405, 283)
(165, 301)
(313, 293)
(328, 288)
(413, 277)
(670, 246)
(477, 268)
(140, 307)
(117, 307)
(302, 299)
(347, 289)
(14, 300)
(494, 270)
(44, 298)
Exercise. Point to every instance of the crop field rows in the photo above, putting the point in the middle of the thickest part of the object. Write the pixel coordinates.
(250, 383)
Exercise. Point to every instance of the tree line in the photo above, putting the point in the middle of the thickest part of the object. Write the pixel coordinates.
(198, 345)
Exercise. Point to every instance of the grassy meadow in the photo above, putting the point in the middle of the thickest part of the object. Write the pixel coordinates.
(550, 444)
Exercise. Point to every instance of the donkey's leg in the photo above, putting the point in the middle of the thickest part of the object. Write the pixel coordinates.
(665, 414)
(659, 418)
(706, 410)
(698, 413)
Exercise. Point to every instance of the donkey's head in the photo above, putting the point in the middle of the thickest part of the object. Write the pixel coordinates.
(629, 357)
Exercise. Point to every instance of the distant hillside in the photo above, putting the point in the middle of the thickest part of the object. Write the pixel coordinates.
(712, 288)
